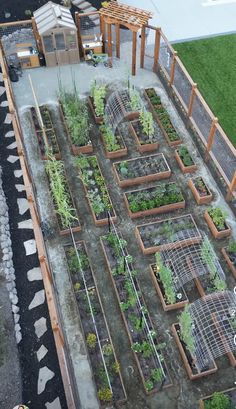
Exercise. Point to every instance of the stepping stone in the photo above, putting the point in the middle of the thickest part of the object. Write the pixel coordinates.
(18, 173)
(30, 247)
(4, 104)
(26, 224)
(13, 145)
(9, 134)
(53, 405)
(20, 188)
(34, 274)
(41, 352)
(23, 205)
(45, 374)
(40, 327)
(2, 90)
(38, 299)
(12, 158)
(8, 118)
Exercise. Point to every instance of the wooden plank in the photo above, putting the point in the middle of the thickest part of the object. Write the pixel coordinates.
(109, 39)
(117, 40)
(142, 50)
(134, 49)
(156, 50)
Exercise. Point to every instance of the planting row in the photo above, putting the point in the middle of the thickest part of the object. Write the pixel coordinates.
(106, 369)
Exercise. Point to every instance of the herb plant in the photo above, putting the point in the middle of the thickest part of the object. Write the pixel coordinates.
(218, 217)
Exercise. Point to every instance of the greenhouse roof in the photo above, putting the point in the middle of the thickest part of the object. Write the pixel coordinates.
(53, 15)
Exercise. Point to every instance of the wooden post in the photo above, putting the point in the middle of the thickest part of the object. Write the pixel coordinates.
(134, 48)
(156, 50)
(142, 50)
(103, 32)
(232, 187)
(191, 99)
(117, 40)
(172, 70)
(80, 45)
(210, 138)
(37, 35)
(109, 39)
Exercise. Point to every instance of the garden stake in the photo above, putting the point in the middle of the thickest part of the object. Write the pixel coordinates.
(109, 222)
(141, 320)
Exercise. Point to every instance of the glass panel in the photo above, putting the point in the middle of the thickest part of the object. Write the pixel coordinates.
(71, 41)
(48, 43)
(60, 42)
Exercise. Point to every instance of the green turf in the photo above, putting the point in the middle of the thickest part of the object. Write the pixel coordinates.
(212, 64)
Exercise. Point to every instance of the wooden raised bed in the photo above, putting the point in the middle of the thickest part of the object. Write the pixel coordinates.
(145, 365)
(122, 151)
(184, 168)
(148, 246)
(148, 145)
(200, 190)
(156, 171)
(160, 291)
(162, 118)
(180, 204)
(230, 259)
(49, 131)
(230, 392)
(100, 219)
(119, 393)
(193, 373)
(218, 234)
(97, 119)
(75, 149)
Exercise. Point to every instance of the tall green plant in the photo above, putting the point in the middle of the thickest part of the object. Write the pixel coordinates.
(218, 401)
(98, 92)
(186, 327)
(166, 278)
(146, 120)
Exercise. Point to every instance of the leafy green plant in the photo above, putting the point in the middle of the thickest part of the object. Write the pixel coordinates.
(110, 139)
(185, 156)
(186, 327)
(218, 401)
(73, 262)
(157, 375)
(98, 93)
(218, 217)
(149, 385)
(135, 100)
(107, 349)
(146, 120)
(105, 394)
(166, 277)
(116, 367)
(77, 286)
(232, 246)
(145, 348)
(91, 340)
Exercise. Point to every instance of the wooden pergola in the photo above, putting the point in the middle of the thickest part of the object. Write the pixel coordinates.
(132, 18)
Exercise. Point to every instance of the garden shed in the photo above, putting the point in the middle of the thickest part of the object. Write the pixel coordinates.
(58, 34)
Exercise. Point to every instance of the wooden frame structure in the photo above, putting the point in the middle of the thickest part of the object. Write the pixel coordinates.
(118, 14)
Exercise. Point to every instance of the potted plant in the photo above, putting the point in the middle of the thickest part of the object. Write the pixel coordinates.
(229, 254)
(144, 133)
(162, 117)
(216, 221)
(185, 160)
(113, 142)
(164, 282)
(141, 170)
(97, 101)
(184, 336)
(200, 190)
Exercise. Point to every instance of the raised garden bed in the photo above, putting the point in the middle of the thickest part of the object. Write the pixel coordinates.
(99, 342)
(185, 160)
(74, 114)
(188, 359)
(225, 400)
(141, 170)
(166, 197)
(167, 234)
(216, 222)
(62, 198)
(147, 351)
(200, 190)
(229, 254)
(113, 143)
(95, 189)
(180, 298)
(162, 117)
(51, 139)
(98, 119)
(144, 142)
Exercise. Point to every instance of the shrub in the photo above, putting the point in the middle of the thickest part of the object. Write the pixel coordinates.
(218, 401)
(91, 340)
(186, 324)
(105, 394)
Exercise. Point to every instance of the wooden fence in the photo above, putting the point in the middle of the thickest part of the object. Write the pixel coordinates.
(164, 59)
(42, 254)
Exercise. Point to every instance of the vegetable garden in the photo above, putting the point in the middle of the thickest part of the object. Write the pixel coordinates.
(140, 241)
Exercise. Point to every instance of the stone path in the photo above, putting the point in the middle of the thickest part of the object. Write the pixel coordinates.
(41, 379)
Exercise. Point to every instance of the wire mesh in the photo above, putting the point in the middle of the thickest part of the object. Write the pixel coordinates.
(90, 26)
(201, 118)
(192, 261)
(182, 85)
(224, 155)
(16, 34)
(165, 57)
(214, 322)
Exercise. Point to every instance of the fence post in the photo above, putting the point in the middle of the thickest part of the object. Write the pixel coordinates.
(156, 50)
(232, 187)
(191, 99)
(210, 138)
(172, 70)
(142, 50)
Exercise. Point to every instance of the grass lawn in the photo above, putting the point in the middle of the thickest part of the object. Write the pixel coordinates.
(212, 64)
